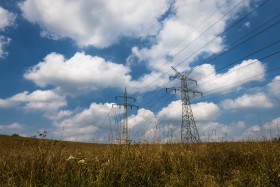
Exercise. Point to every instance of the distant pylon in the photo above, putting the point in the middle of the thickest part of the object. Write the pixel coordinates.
(125, 104)
(189, 132)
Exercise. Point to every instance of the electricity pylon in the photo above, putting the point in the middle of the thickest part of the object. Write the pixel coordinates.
(125, 104)
(189, 132)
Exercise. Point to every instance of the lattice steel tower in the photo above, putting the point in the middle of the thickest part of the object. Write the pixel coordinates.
(125, 104)
(189, 132)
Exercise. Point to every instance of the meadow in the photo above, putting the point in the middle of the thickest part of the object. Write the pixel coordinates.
(37, 162)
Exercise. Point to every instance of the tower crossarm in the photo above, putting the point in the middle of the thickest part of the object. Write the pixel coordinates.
(128, 105)
(189, 79)
(173, 88)
(194, 92)
(128, 97)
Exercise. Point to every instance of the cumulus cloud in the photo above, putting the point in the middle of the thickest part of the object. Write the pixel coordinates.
(96, 23)
(92, 122)
(258, 100)
(238, 131)
(272, 128)
(7, 19)
(142, 124)
(11, 128)
(3, 42)
(252, 132)
(215, 131)
(173, 111)
(78, 74)
(47, 101)
(202, 111)
(192, 31)
(169, 119)
(209, 81)
(84, 73)
(103, 122)
(268, 131)
(60, 115)
(183, 29)
(274, 86)
(100, 122)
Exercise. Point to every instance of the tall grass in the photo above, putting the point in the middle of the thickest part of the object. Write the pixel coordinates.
(33, 162)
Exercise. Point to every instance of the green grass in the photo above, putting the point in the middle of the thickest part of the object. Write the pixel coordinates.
(33, 162)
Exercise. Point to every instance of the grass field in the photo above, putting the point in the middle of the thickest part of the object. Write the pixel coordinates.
(35, 162)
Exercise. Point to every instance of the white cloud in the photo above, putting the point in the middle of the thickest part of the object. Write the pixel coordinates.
(141, 125)
(79, 74)
(7, 19)
(274, 125)
(83, 73)
(202, 111)
(258, 100)
(210, 81)
(4, 41)
(238, 131)
(11, 128)
(215, 131)
(267, 131)
(182, 41)
(169, 119)
(93, 122)
(247, 24)
(60, 115)
(143, 116)
(14, 126)
(98, 23)
(47, 101)
(100, 122)
(252, 132)
(274, 86)
(181, 30)
(172, 111)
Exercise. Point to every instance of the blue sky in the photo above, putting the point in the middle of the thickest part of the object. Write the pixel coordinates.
(63, 62)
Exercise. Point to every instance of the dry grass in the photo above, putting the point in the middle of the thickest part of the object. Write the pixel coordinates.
(33, 162)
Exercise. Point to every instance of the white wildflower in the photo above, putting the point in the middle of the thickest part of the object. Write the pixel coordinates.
(82, 161)
(70, 157)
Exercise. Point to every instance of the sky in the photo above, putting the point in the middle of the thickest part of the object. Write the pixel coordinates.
(62, 64)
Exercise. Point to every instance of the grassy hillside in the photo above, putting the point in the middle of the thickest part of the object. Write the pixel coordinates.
(33, 162)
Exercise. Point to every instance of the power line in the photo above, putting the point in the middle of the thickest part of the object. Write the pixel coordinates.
(176, 110)
(230, 27)
(223, 52)
(240, 81)
(261, 58)
(238, 44)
